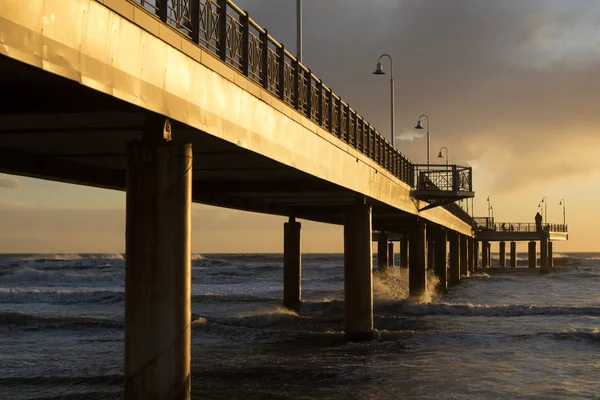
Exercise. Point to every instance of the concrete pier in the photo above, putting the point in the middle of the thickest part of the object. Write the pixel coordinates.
(404, 253)
(382, 250)
(358, 273)
(430, 254)
(476, 254)
(391, 254)
(489, 254)
(513, 254)
(532, 255)
(471, 255)
(485, 259)
(463, 258)
(292, 264)
(544, 254)
(454, 259)
(441, 260)
(417, 272)
(502, 250)
(158, 266)
(550, 255)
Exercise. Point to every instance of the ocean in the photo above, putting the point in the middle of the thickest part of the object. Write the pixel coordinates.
(491, 337)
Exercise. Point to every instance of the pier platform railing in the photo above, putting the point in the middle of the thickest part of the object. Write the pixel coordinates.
(441, 184)
(488, 224)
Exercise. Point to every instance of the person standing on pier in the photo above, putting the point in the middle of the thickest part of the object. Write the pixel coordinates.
(538, 222)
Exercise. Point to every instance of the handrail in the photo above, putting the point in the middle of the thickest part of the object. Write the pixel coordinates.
(225, 30)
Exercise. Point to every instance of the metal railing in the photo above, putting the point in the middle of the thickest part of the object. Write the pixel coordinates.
(450, 178)
(225, 30)
(481, 223)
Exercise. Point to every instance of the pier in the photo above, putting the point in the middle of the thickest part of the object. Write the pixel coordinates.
(195, 102)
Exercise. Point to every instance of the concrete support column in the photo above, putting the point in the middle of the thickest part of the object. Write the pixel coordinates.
(502, 250)
(489, 253)
(382, 249)
(476, 255)
(513, 254)
(532, 255)
(470, 255)
(464, 269)
(292, 264)
(550, 255)
(440, 259)
(417, 272)
(544, 253)
(391, 254)
(430, 254)
(158, 265)
(485, 259)
(404, 253)
(454, 262)
(358, 273)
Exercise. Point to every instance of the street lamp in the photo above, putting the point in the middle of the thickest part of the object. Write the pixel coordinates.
(563, 203)
(379, 71)
(299, 29)
(545, 201)
(489, 205)
(441, 156)
(541, 209)
(419, 126)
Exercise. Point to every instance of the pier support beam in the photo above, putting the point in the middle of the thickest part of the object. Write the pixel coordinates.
(550, 255)
(470, 255)
(489, 253)
(292, 264)
(454, 256)
(476, 255)
(417, 272)
(485, 259)
(502, 251)
(404, 253)
(382, 250)
(464, 268)
(513, 254)
(532, 255)
(440, 259)
(158, 265)
(430, 254)
(544, 254)
(358, 273)
(391, 254)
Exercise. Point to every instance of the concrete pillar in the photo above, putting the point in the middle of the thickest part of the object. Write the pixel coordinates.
(158, 265)
(502, 250)
(544, 253)
(476, 255)
(292, 264)
(391, 254)
(358, 273)
(417, 272)
(440, 260)
(513, 254)
(532, 255)
(470, 255)
(489, 253)
(430, 254)
(382, 249)
(404, 253)
(550, 255)
(454, 262)
(464, 269)
(485, 259)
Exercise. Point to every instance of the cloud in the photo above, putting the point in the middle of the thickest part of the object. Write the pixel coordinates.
(9, 182)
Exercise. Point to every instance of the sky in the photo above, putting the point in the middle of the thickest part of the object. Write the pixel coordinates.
(510, 87)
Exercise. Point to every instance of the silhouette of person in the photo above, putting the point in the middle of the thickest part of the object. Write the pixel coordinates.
(538, 222)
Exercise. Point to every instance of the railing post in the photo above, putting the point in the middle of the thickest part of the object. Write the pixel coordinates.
(162, 10)
(470, 179)
(264, 60)
(222, 4)
(296, 66)
(454, 179)
(321, 103)
(308, 94)
(280, 72)
(245, 22)
(340, 133)
(330, 110)
(348, 113)
(195, 19)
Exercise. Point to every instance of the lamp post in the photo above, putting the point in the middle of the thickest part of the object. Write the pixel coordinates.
(545, 201)
(419, 126)
(379, 71)
(489, 205)
(563, 203)
(441, 156)
(541, 209)
(299, 29)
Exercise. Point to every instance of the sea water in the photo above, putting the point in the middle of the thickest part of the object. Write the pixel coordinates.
(491, 337)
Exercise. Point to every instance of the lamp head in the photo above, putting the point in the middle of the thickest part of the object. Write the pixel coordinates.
(379, 69)
(561, 203)
(419, 126)
(440, 155)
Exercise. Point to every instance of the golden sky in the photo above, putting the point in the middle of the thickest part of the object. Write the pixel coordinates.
(511, 87)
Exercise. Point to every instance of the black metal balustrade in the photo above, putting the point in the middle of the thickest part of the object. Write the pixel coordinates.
(228, 32)
(488, 224)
